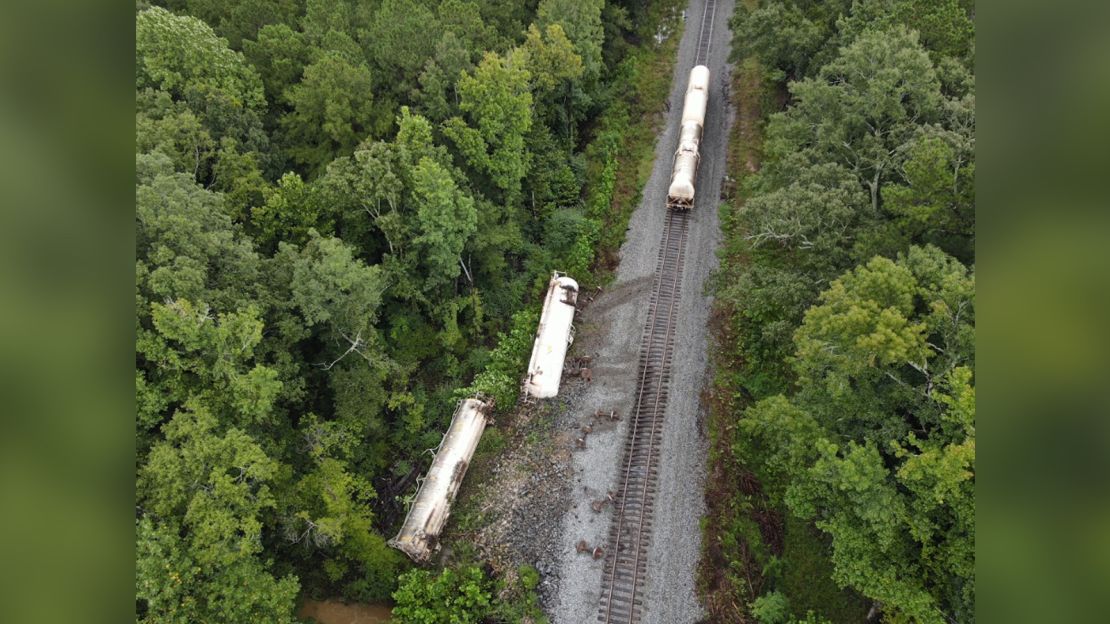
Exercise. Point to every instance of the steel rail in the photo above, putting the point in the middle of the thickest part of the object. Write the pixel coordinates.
(638, 476)
(705, 35)
(664, 380)
(625, 562)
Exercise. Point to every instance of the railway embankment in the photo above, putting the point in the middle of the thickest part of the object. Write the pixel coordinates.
(610, 332)
(729, 486)
(511, 508)
(538, 492)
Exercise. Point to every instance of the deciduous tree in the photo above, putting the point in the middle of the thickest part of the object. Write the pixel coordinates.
(333, 289)
(279, 54)
(863, 108)
(332, 111)
(292, 209)
(203, 494)
(446, 219)
(556, 70)
(188, 246)
(581, 22)
(400, 39)
(937, 202)
(497, 101)
(177, 54)
(878, 444)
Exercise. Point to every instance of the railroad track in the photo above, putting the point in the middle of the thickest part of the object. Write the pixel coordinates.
(626, 562)
(626, 558)
(705, 35)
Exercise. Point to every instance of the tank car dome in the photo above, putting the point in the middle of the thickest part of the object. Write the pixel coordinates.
(681, 188)
(699, 77)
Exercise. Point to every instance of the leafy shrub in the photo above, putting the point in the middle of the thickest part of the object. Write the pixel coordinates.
(771, 608)
(516, 598)
(501, 378)
(456, 596)
(580, 255)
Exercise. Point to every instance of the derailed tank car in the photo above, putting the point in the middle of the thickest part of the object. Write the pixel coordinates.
(419, 535)
(554, 335)
(680, 195)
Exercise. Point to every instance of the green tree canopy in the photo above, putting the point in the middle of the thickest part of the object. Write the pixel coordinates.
(330, 521)
(292, 209)
(205, 491)
(172, 128)
(862, 107)
(364, 191)
(236, 21)
(331, 111)
(437, 96)
(201, 358)
(786, 36)
(813, 222)
(399, 42)
(937, 202)
(280, 54)
(497, 100)
(331, 287)
(446, 217)
(181, 60)
(556, 72)
(182, 54)
(189, 248)
(944, 26)
(580, 20)
(878, 444)
(795, 38)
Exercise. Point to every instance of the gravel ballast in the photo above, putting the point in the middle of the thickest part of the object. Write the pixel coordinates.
(532, 503)
(610, 330)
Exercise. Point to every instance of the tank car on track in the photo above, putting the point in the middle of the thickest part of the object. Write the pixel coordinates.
(680, 195)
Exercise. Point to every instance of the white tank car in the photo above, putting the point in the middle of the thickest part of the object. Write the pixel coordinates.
(680, 195)
(554, 335)
(419, 535)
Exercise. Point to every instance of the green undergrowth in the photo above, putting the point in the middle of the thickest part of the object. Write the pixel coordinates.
(762, 556)
(622, 153)
(466, 595)
(759, 563)
(807, 576)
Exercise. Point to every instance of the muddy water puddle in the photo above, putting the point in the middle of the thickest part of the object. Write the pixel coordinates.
(338, 612)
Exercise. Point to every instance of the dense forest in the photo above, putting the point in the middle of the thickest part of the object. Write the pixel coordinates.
(845, 425)
(345, 211)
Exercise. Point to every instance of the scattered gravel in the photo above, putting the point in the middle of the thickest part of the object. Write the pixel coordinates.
(615, 323)
(538, 498)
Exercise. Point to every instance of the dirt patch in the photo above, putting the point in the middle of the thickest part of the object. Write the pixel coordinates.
(511, 512)
(620, 293)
